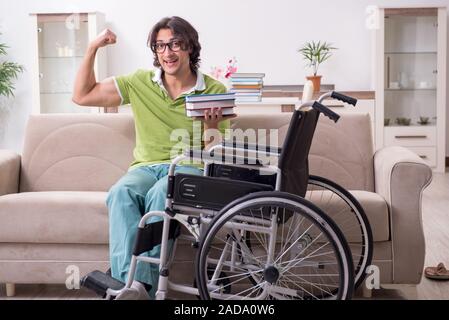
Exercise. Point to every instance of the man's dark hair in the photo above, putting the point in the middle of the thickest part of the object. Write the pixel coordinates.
(182, 30)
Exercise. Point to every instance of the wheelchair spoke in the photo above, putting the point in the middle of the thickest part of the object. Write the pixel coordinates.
(245, 274)
(304, 281)
(257, 288)
(242, 277)
(304, 249)
(283, 288)
(262, 241)
(324, 287)
(293, 233)
(300, 288)
(291, 275)
(321, 274)
(308, 292)
(293, 244)
(247, 255)
(306, 275)
(282, 234)
(245, 252)
(246, 290)
(313, 263)
(306, 257)
(230, 265)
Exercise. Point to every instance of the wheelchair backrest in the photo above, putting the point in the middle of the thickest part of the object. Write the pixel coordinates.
(293, 160)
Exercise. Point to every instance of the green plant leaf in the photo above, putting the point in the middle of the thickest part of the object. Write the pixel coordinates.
(3, 48)
(9, 71)
(316, 53)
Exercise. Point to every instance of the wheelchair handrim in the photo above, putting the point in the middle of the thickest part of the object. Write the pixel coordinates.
(314, 214)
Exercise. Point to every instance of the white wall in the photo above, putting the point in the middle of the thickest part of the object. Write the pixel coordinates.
(262, 34)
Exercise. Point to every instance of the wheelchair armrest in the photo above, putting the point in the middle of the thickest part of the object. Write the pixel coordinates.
(221, 157)
(251, 146)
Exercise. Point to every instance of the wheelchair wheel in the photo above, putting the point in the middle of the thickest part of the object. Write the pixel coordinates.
(297, 252)
(350, 217)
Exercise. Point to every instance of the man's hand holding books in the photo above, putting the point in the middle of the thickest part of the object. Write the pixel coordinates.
(211, 108)
(212, 117)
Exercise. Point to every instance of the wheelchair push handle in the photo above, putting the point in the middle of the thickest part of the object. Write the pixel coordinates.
(326, 111)
(344, 98)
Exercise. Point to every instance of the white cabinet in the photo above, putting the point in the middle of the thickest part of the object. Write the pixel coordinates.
(411, 81)
(410, 136)
(58, 44)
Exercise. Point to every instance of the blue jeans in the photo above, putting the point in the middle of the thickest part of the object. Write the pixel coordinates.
(141, 190)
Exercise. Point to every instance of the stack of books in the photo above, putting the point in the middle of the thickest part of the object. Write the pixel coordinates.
(247, 86)
(196, 104)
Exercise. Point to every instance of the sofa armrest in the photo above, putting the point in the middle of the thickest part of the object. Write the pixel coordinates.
(9, 172)
(400, 177)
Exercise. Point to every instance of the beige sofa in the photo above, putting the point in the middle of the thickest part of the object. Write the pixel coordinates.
(52, 197)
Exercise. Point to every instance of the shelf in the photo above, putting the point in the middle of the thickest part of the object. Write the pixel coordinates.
(58, 92)
(271, 101)
(412, 125)
(61, 57)
(294, 88)
(412, 89)
(411, 52)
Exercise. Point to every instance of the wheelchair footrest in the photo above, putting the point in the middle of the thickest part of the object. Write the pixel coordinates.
(99, 282)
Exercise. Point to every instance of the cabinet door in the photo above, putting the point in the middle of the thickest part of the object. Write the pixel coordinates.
(410, 86)
(411, 68)
(62, 40)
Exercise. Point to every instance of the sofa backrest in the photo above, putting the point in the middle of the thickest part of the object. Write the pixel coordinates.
(90, 152)
(342, 151)
(76, 152)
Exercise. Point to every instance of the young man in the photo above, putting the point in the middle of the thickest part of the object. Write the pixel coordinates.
(157, 102)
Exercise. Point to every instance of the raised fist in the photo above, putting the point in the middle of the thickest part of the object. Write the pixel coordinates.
(106, 37)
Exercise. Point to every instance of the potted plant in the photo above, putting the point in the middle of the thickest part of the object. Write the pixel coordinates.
(316, 53)
(8, 72)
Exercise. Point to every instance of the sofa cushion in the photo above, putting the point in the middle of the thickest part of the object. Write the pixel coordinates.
(54, 217)
(375, 207)
(81, 217)
(76, 152)
(376, 210)
(342, 152)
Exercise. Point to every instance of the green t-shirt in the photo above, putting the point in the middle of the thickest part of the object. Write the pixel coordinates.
(163, 130)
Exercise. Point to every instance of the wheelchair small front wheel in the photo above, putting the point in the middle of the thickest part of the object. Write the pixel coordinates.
(296, 252)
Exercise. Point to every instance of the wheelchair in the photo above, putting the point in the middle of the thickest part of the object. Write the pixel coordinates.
(261, 231)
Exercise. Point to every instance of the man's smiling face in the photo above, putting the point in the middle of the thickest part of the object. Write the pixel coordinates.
(173, 62)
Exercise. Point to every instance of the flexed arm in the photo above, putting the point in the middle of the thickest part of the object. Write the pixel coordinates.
(87, 91)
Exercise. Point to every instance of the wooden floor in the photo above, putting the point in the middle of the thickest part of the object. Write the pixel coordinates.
(436, 229)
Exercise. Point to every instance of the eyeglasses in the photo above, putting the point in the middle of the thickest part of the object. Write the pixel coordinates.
(159, 47)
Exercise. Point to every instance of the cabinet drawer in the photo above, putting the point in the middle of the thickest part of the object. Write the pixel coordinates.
(428, 154)
(412, 136)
